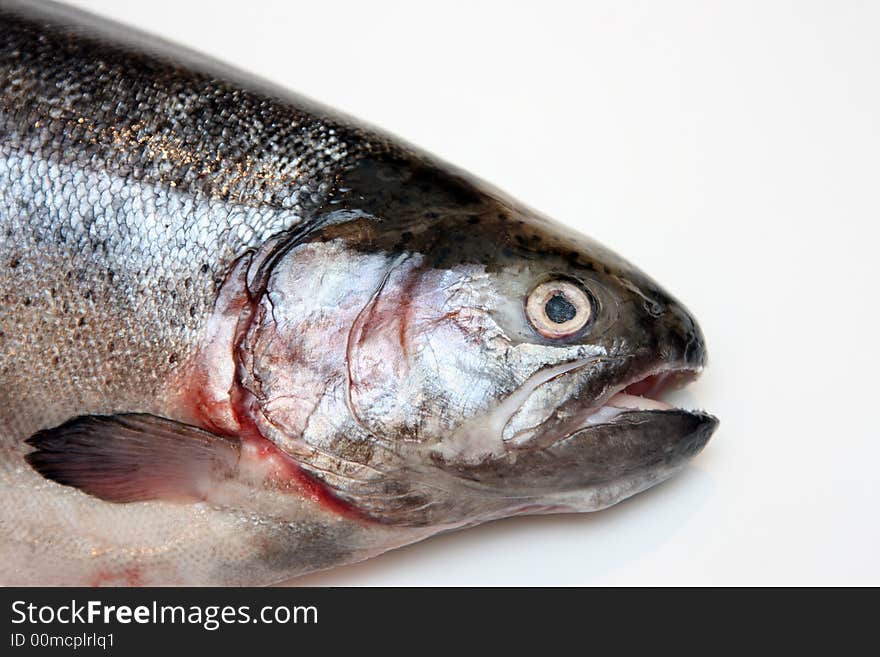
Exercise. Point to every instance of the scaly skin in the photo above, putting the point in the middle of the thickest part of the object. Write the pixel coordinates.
(120, 218)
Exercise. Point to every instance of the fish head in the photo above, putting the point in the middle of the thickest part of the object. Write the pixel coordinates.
(437, 354)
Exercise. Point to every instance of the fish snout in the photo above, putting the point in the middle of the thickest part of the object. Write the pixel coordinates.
(683, 340)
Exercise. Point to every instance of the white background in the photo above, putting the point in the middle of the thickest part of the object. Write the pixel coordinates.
(730, 149)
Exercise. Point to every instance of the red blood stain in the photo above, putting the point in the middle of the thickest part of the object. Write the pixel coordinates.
(126, 577)
(232, 415)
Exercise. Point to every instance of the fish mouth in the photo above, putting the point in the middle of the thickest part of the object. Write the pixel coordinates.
(645, 393)
(591, 454)
(641, 392)
(628, 439)
(636, 438)
(655, 428)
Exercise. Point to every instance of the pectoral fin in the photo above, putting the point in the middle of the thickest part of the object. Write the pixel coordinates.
(134, 458)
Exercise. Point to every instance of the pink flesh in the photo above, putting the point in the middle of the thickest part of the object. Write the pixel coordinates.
(623, 400)
(644, 394)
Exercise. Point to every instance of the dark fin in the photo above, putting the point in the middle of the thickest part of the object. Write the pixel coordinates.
(134, 457)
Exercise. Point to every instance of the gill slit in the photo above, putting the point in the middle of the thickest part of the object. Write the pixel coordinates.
(349, 347)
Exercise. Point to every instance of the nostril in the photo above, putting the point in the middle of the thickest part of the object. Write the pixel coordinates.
(654, 308)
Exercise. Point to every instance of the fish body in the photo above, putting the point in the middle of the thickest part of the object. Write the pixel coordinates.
(244, 337)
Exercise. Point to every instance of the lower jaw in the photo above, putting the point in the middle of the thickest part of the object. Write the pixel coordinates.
(639, 395)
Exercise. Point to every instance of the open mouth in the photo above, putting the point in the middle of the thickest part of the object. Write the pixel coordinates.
(640, 395)
(647, 393)
(624, 439)
(644, 394)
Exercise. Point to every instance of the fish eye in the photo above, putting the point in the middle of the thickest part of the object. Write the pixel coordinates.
(558, 308)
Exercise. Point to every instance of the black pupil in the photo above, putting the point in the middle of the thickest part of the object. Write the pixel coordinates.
(559, 309)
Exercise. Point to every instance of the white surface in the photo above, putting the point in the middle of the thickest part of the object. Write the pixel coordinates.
(730, 149)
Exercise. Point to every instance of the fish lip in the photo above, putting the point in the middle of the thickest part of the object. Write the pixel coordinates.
(646, 448)
(700, 424)
(708, 422)
(599, 465)
(670, 437)
(671, 375)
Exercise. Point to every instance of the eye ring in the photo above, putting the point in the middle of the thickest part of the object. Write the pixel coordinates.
(558, 308)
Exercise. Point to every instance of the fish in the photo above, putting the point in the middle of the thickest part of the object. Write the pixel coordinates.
(245, 337)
